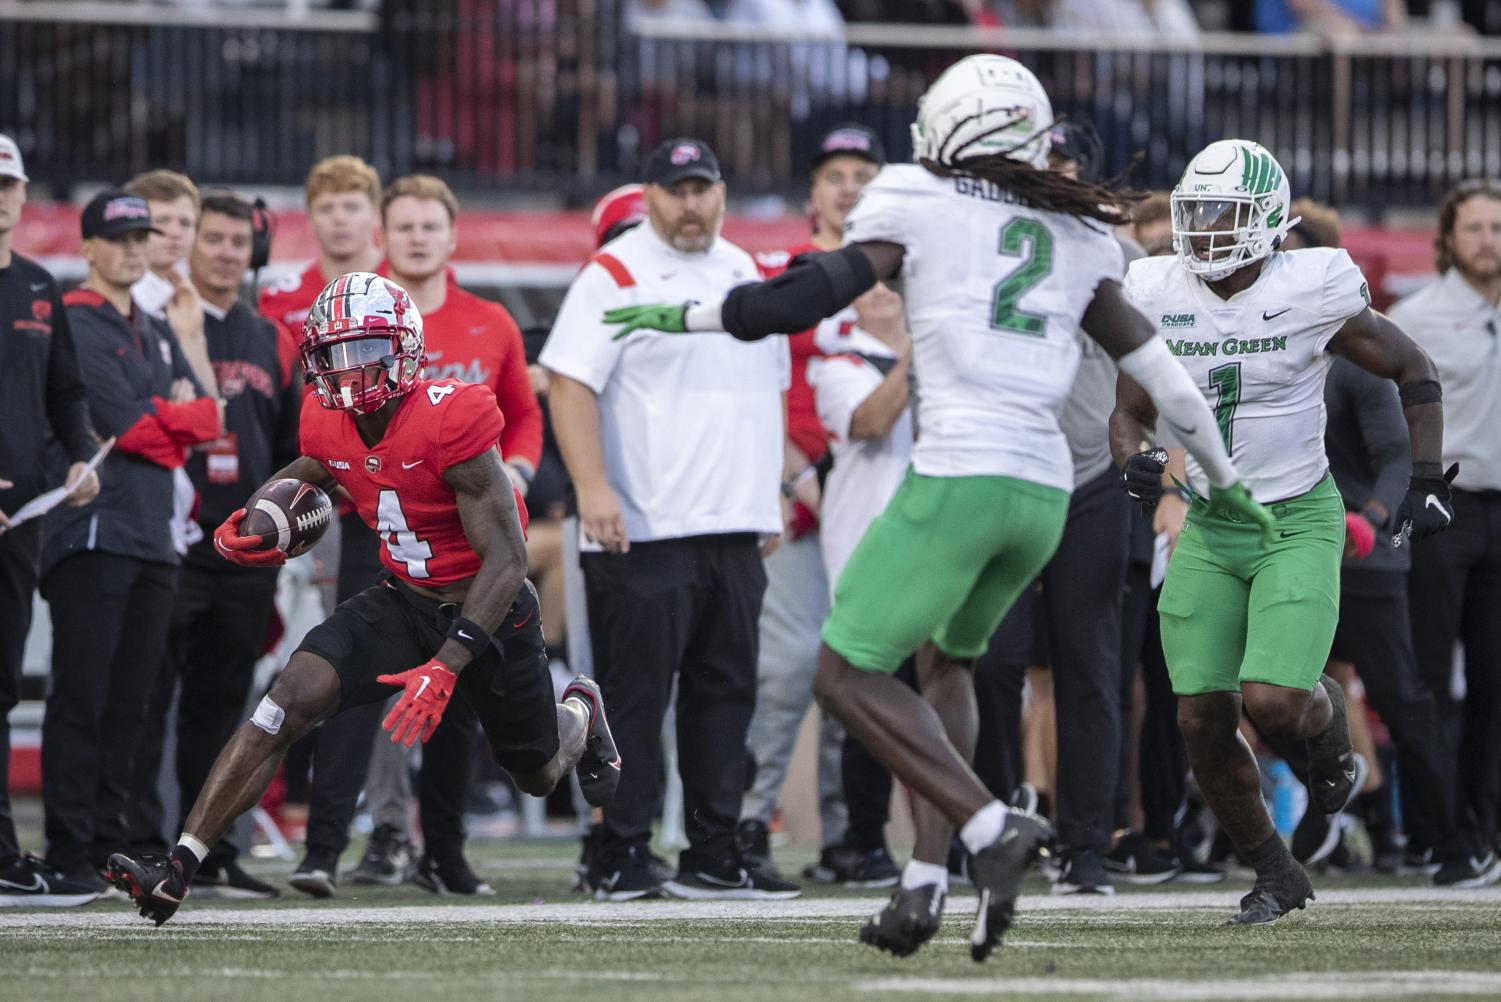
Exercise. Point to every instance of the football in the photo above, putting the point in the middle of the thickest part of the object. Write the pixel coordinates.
(288, 515)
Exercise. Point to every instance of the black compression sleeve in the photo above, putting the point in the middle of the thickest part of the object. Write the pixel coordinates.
(799, 297)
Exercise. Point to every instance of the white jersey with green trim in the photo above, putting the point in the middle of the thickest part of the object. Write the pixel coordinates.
(994, 292)
(1259, 357)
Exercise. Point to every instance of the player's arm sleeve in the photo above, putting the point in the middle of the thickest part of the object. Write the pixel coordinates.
(469, 424)
(841, 383)
(522, 436)
(67, 397)
(580, 345)
(1346, 295)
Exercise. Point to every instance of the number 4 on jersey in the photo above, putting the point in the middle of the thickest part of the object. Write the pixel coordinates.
(436, 393)
(401, 542)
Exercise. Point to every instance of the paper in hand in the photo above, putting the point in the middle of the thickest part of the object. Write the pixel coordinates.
(45, 502)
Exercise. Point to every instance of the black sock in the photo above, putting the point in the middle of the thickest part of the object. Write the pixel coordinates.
(1271, 857)
(185, 859)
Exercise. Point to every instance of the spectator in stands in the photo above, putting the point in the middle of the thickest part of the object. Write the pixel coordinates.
(797, 590)
(42, 398)
(1168, 18)
(672, 446)
(1455, 585)
(1338, 18)
(475, 341)
(173, 199)
(342, 198)
(1152, 224)
(219, 619)
(1366, 439)
(109, 569)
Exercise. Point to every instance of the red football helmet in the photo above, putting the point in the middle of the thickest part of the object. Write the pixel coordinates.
(362, 343)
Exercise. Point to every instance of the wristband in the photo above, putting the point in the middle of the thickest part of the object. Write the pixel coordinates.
(1426, 391)
(523, 470)
(470, 635)
(789, 487)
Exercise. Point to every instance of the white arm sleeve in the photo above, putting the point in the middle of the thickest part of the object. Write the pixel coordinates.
(1182, 406)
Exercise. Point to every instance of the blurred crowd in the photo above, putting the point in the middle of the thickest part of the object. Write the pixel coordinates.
(164, 351)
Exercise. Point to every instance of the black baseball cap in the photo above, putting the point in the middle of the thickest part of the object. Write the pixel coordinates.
(115, 212)
(679, 159)
(1080, 142)
(853, 139)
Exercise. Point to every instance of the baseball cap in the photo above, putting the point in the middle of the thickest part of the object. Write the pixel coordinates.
(852, 138)
(679, 159)
(10, 160)
(1078, 141)
(616, 211)
(114, 212)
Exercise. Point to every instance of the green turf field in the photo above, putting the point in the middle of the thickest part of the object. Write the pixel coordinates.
(1364, 939)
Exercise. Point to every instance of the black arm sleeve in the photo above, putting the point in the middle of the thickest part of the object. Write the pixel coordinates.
(799, 297)
(67, 398)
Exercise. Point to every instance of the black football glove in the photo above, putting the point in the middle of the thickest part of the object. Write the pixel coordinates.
(1426, 508)
(1142, 477)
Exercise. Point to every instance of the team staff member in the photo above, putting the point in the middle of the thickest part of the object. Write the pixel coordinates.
(174, 202)
(1455, 585)
(797, 589)
(342, 196)
(109, 568)
(41, 397)
(219, 618)
(674, 446)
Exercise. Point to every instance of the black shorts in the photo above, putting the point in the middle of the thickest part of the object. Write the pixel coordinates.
(388, 628)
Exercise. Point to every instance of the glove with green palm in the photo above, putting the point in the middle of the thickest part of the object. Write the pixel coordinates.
(651, 317)
(1236, 504)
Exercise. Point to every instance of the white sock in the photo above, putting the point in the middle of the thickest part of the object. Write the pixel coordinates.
(197, 848)
(919, 874)
(984, 828)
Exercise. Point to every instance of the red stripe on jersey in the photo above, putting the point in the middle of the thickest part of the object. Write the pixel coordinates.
(611, 264)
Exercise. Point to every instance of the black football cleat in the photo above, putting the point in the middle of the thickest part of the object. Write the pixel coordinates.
(155, 883)
(599, 767)
(909, 920)
(1335, 772)
(1273, 897)
(997, 872)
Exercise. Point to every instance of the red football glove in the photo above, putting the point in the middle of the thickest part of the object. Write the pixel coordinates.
(428, 688)
(243, 550)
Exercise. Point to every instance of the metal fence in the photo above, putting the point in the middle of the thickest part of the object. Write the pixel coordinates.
(561, 96)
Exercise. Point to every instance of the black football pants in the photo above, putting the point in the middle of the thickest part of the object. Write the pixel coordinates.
(18, 557)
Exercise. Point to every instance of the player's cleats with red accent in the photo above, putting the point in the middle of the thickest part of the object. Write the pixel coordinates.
(909, 920)
(997, 871)
(155, 882)
(599, 767)
(1273, 897)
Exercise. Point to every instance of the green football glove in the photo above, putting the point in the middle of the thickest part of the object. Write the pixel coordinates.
(1236, 503)
(652, 317)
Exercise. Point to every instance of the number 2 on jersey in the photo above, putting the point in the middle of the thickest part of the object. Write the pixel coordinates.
(1029, 240)
(401, 542)
(1226, 379)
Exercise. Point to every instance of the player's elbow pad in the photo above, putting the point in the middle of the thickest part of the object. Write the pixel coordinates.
(799, 297)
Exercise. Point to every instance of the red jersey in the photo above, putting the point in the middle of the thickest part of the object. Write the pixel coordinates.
(803, 426)
(289, 301)
(475, 341)
(397, 484)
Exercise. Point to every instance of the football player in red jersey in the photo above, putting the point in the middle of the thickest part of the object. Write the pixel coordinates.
(418, 457)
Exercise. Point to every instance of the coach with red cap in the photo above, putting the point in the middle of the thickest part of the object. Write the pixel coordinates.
(675, 451)
(109, 568)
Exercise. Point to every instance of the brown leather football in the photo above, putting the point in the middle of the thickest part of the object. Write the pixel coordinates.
(288, 515)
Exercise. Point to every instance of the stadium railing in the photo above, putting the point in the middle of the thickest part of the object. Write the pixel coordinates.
(566, 98)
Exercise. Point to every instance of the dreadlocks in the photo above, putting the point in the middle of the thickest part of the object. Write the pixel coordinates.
(1043, 189)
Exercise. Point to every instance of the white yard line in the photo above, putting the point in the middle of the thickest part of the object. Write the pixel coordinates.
(1330, 985)
(811, 909)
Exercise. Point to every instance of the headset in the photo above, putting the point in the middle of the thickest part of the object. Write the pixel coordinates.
(263, 230)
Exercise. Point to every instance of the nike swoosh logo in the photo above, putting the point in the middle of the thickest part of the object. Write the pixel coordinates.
(668, 274)
(519, 625)
(421, 688)
(1290, 535)
(35, 885)
(408, 466)
(160, 893)
(1273, 316)
(465, 635)
(39, 286)
(708, 879)
(1438, 506)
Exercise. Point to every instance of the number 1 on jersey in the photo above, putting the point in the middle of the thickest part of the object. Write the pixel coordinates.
(1226, 379)
(1029, 240)
(401, 542)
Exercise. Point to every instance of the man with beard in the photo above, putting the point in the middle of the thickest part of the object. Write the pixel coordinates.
(1455, 583)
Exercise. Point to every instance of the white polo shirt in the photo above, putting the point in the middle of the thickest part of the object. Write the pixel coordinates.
(1461, 332)
(691, 425)
(866, 472)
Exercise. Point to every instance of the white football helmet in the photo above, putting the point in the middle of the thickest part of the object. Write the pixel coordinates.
(983, 105)
(1230, 209)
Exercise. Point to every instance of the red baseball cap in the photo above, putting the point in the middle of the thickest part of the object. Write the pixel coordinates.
(617, 211)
